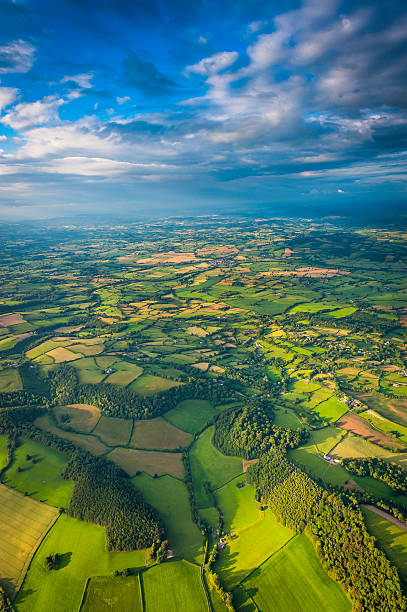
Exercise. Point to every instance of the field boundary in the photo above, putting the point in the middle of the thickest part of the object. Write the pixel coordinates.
(85, 588)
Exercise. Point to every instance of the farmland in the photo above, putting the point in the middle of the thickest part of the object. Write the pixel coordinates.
(293, 579)
(24, 524)
(163, 329)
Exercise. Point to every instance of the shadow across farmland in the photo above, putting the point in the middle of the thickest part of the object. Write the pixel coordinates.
(64, 560)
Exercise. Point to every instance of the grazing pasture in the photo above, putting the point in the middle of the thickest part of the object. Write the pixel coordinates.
(158, 434)
(170, 497)
(211, 466)
(244, 552)
(24, 523)
(61, 354)
(88, 371)
(82, 547)
(382, 424)
(147, 384)
(107, 593)
(172, 587)
(293, 579)
(238, 505)
(191, 415)
(114, 431)
(152, 462)
(10, 380)
(3, 451)
(39, 475)
(82, 417)
(331, 409)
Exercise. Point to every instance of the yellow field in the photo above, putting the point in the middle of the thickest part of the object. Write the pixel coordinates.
(133, 461)
(61, 354)
(158, 434)
(24, 523)
(83, 417)
(87, 350)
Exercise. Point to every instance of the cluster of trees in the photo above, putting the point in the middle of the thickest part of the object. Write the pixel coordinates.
(390, 473)
(51, 562)
(336, 527)
(158, 551)
(103, 494)
(117, 401)
(249, 432)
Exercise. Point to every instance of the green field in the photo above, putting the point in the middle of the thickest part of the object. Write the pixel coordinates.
(83, 550)
(284, 417)
(3, 451)
(244, 552)
(390, 537)
(170, 497)
(331, 409)
(209, 465)
(42, 479)
(237, 505)
(117, 593)
(294, 580)
(174, 586)
(306, 457)
(114, 431)
(191, 415)
(147, 384)
(10, 380)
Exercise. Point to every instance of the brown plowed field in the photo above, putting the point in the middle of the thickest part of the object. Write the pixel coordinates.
(353, 423)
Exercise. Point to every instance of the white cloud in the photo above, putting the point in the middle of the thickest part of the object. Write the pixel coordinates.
(122, 100)
(341, 191)
(16, 56)
(7, 96)
(98, 166)
(82, 80)
(214, 63)
(33, 113)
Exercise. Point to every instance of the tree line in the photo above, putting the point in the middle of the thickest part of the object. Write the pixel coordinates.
(116, 401)
(393, 475)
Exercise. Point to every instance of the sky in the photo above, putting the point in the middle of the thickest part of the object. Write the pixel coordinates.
(135, 106)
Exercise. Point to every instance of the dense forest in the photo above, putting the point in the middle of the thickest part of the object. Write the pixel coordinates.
(390, 473)
(249, 432)
(117, 401)
(337, 529)
(104, 495)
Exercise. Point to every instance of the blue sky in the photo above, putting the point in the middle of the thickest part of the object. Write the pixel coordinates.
(186, 106)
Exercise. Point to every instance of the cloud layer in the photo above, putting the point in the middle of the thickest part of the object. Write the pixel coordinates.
(240, 104)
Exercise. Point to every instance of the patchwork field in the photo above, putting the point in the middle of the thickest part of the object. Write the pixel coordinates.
(10, 380)
(152, 462)
(83, 551)
(24, 523)
(293, 579)
(107, 593)
(359, 426)
(158, 434)
(174, 586)
(87, 442)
